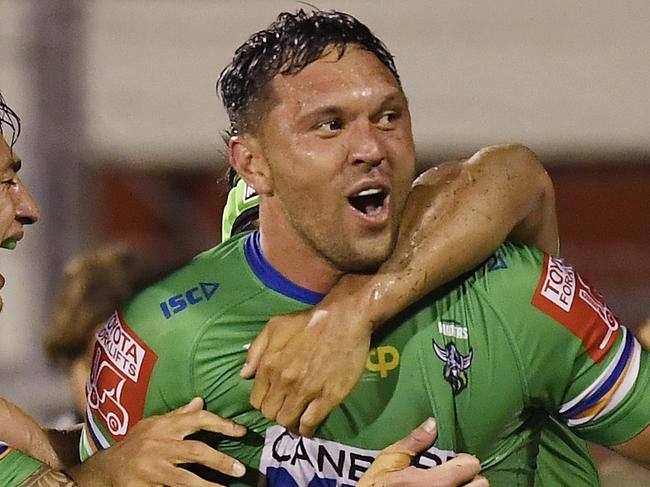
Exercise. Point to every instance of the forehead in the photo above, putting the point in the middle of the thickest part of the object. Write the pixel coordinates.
(330, 79)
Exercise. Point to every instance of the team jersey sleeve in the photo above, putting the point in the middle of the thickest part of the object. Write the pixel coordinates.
(578, 361)
(16, 467)
(140, 368)
(145, 355)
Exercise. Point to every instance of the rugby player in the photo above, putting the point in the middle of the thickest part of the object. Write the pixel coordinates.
(321, 130)
(31, 456)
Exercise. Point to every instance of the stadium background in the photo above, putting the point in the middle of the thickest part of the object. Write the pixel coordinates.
(122, 128)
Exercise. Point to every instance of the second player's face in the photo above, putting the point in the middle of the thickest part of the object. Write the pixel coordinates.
(17, 206)
(340, 150)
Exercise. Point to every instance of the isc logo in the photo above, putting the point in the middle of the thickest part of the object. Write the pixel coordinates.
(180, 302)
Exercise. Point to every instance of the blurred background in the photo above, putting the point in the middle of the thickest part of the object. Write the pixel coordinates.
(122, 131)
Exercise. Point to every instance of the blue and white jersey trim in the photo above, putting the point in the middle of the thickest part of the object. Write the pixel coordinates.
(610, 388)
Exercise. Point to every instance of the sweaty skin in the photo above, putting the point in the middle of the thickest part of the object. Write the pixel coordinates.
(456, 215)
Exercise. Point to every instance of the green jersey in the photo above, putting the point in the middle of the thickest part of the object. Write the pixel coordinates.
(16, 467)
(501, 357)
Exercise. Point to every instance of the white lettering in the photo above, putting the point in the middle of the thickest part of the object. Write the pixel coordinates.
(453, 330)
(125, 353)
(306, 458)
(559, 284)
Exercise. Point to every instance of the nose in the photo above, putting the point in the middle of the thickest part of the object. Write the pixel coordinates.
(27, 210)
(366, 146)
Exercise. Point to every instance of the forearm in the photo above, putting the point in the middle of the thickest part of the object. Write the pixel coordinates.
(22, 432)
(456, 216)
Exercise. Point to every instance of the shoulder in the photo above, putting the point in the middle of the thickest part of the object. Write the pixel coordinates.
(544, 297)
(188, 297)
(513, 268)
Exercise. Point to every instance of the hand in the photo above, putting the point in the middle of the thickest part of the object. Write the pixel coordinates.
(306, 363)
(392, 468)
(153, 449)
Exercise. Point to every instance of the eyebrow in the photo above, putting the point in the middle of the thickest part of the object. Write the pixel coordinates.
(395, 97)
(334, 110)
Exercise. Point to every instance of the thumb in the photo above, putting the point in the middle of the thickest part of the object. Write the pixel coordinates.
(418, 440)
(254, 355)
(399, 455)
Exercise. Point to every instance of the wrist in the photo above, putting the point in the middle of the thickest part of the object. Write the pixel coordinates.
(363, 299)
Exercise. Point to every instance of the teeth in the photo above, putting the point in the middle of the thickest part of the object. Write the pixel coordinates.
(368, 192)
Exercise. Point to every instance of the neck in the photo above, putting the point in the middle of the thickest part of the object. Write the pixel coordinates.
(292, 256)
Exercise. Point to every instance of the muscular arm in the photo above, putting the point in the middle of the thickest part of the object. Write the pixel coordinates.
(457, 215)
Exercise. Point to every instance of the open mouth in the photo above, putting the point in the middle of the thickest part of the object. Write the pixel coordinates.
(370, 201)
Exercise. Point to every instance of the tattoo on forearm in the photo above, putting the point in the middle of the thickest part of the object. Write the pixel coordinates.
(46, 477)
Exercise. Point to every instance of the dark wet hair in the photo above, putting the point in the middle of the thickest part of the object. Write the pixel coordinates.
(8, 118)
(287, 46)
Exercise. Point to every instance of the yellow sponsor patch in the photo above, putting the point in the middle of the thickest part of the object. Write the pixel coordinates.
(382, 359)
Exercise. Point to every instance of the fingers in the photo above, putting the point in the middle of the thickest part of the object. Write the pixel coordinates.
(289, 414)
(418, 440)
(255, 352)
(190, 451)
(194, 405)
(478, 481)
(205, 420)
(260, 388)
(185, 478)
(314, 415)
(457, 471)
(186, 420)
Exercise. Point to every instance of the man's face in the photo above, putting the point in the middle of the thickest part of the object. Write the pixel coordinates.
(17, 206)
(340, 150)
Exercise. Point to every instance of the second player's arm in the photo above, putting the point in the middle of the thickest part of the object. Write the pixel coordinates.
(456, 216)
(152, 453)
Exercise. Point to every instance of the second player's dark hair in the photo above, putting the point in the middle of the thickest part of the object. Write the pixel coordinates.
(9, 119)
(287, 46)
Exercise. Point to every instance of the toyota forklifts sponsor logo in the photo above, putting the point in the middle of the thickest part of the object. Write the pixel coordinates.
(559, 284)
(294, 461)
(570, 300)
(122, 366)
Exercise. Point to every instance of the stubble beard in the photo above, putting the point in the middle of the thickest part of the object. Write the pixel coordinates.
(340, 254)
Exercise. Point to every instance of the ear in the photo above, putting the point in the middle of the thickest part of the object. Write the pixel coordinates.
(247, 158)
